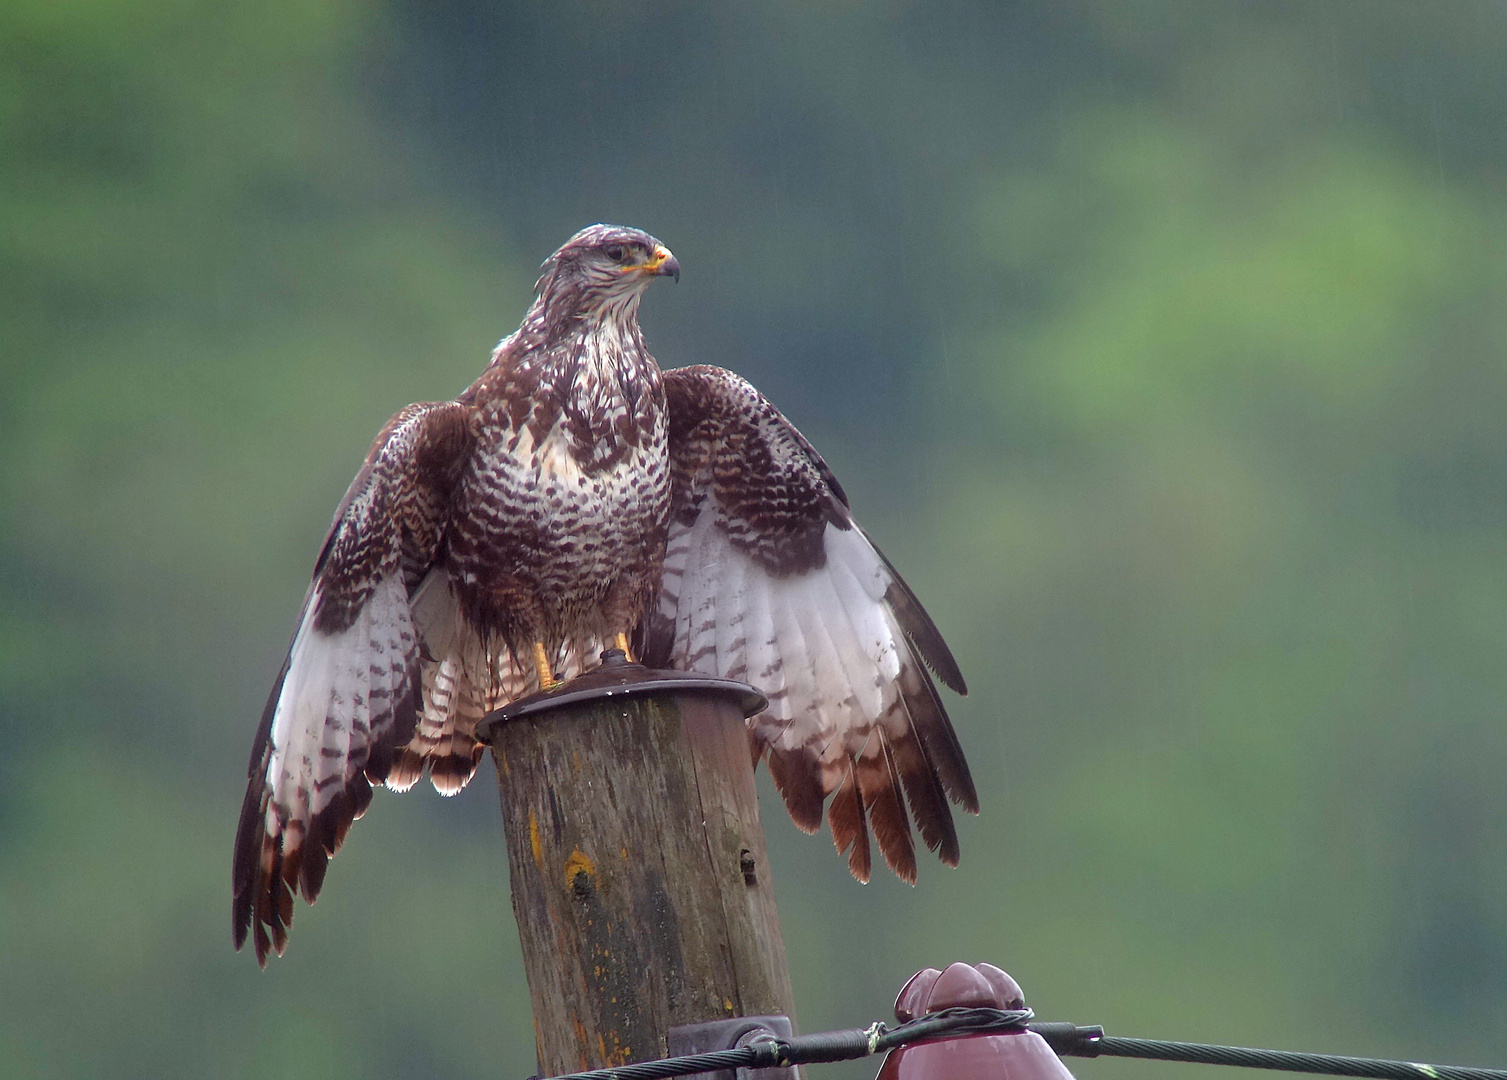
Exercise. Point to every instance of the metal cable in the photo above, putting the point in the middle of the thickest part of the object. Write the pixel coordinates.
(1068, 1040)
(823, 1046)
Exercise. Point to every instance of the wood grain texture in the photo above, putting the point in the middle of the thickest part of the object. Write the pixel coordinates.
(639, 874)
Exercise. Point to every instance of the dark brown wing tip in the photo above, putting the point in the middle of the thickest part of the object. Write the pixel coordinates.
(903, 866)
(262, 945)
(922, 632)
(965, 796)
(860, 862)
(240, 918)
(245, 877)
(880, 784)
(850, 833)
(799, 788)
(927, 798)
(919, 628)
(271, 910)
(318, 845)
(937, 738)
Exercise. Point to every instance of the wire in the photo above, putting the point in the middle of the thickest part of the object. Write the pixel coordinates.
(770, 1053)
(1069, 1040)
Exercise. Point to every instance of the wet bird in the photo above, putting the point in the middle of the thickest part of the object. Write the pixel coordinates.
(574, 498)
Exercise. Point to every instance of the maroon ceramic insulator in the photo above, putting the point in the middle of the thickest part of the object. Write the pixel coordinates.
(1017, 1055)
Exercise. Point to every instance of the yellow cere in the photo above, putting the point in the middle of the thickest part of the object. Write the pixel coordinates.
(654, 262)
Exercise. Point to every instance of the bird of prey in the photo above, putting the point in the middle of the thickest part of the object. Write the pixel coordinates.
(575, 498)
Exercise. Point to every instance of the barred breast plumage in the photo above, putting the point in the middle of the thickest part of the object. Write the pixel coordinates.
(560, 519)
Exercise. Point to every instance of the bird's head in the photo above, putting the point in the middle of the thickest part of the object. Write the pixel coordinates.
(602, 271)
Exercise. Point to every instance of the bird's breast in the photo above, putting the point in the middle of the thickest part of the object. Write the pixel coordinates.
(539, 500)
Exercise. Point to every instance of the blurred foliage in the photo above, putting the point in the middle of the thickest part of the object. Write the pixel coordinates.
(1161, 344)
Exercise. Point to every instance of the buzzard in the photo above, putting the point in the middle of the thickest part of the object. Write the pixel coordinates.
(577, 498)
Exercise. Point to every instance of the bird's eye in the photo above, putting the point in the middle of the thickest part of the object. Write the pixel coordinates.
(616, 253)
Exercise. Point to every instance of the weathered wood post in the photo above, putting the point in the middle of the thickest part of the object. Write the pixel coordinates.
(640, 880)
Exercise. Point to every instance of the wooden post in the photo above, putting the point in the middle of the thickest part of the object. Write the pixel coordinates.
(640, 880)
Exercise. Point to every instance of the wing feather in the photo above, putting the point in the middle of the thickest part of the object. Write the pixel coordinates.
(766, 666)
(768, 579)
(457, 752)
(731, 630)
(701, 604)
(799, 741)
(849, 826)
(880, 786)
(347, 697)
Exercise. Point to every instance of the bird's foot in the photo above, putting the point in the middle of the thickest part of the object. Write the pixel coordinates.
(620, 641)
(547, 680)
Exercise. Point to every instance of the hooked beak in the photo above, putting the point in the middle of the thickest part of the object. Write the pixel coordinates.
(662, 264)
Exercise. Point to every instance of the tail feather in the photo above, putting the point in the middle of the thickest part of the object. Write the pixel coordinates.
(465, 679)
(455, 753)
(455, 686)
(440, 688)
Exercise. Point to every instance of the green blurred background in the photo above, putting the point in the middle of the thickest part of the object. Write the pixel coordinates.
(1161, 345)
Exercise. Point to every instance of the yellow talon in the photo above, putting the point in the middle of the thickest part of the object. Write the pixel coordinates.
(547, 680)
(620, 641)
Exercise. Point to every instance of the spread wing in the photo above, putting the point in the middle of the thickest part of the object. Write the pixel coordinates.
(768, 579)
(347, 698)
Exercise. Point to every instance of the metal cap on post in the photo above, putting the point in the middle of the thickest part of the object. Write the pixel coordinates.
(640, 880)
(1016, 1055)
